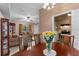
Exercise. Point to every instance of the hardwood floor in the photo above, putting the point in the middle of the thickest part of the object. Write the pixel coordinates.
(61, 49)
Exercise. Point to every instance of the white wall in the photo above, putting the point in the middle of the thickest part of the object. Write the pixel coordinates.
(1, 15)
(36, 29)
(75, 27)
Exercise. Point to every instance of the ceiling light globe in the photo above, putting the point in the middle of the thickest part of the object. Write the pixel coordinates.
(52, 6)
(48, 8)
(44, 6)
(69, 14)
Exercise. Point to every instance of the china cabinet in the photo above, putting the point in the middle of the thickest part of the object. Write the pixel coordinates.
(0, 37)
(11, 29)
(4, 36)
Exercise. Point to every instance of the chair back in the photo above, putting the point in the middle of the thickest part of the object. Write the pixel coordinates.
(67, 39)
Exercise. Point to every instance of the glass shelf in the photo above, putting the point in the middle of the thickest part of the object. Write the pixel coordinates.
(4, 33)
(5, 46)
(5, 41)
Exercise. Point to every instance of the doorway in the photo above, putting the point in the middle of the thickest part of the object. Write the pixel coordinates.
(62, 23)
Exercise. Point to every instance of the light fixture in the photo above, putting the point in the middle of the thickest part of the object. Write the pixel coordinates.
(49, 5)
(45, 5)
(69, 14)
(48, 8)
(28, 19)
(52, 6)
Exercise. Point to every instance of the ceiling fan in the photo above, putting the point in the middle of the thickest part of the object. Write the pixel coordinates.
(29, 19)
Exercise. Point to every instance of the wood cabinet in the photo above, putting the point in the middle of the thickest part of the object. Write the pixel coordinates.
(30, 28)
(4, 36)
(20, 29)
(11, 29)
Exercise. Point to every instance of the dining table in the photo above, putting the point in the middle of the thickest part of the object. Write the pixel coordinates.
(60, 48)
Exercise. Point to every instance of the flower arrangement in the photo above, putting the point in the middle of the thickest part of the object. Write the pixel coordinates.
(48, 36)
(49, 33)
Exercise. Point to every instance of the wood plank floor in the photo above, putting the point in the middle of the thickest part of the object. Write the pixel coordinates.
(61, 49)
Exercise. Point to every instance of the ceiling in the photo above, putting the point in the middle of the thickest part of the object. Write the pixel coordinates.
(25, 9)
(19, 11)
(4, 9)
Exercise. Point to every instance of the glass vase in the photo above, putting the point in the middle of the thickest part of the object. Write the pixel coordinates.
(49, 47)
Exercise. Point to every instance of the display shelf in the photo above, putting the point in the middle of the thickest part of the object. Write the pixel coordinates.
(0, 37)
(4, 36)
(5, 46)
(5, 41)
(11, 29)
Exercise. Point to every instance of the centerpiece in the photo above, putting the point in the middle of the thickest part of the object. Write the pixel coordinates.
(48, 36)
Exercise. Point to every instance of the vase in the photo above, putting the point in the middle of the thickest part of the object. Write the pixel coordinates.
(49, 51)
(48, 36)
(49, 47)
(48, 44)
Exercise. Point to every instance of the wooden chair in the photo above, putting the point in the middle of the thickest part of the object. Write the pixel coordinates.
(67, 39)
(37, 39)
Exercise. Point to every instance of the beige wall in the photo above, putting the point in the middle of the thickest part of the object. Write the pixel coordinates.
(46, 15)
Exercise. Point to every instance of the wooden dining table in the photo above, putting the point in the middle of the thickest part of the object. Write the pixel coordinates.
(60, 48)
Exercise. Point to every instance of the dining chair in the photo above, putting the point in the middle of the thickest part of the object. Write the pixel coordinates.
(21, 42)
(67, 39)
(37, 39)
(29, 42)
